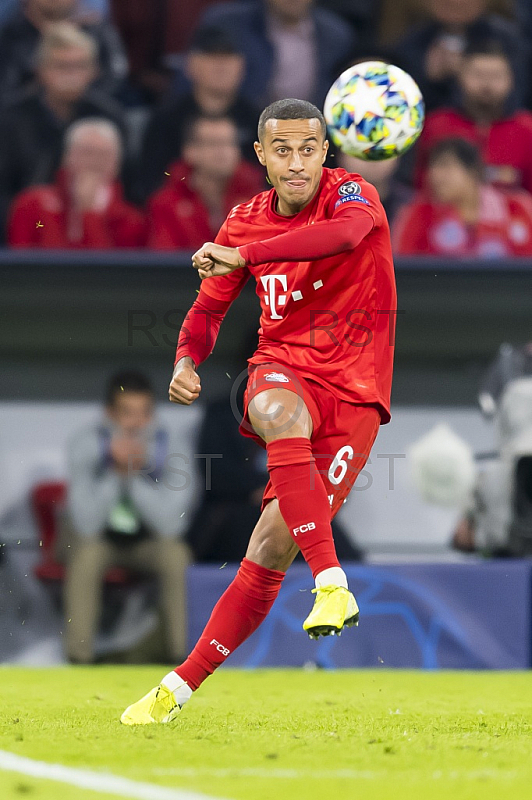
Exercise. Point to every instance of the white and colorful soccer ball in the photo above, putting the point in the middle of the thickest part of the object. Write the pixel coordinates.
(374, 111)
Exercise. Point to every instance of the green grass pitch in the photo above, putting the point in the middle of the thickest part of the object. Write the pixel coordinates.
(279, 734)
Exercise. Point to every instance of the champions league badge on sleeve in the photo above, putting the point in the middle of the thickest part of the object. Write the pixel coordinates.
(350, 192)
(351, 187)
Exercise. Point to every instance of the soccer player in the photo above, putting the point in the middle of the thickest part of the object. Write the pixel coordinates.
(318, 245)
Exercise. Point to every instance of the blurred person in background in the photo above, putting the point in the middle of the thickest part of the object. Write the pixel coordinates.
(85, 207)
(215, 68)
(362, 15)
(292, 48)
(32, 130)
(21, 34)
(155, 35)
(488, 115)
(432, 52)
(396, 20)
(460, 215)
(89, 10)
(203, 187)
(392, 191)
(123, 509)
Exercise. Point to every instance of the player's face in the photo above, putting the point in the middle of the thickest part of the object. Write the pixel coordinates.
(293, 152)
(132, 412)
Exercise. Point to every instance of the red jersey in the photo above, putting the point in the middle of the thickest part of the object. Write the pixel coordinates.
(506, 145)
(331, 318)
(41, 216)
(503, 228)
(179, 218)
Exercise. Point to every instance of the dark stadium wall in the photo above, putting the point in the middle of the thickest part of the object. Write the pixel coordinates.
(68, 320)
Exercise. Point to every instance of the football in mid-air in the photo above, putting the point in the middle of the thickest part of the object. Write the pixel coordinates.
(374, 111)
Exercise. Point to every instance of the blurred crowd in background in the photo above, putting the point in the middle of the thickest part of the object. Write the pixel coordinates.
(131, 124)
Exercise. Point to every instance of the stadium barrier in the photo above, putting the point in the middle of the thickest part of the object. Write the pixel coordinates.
(475, 615)
(70, 317)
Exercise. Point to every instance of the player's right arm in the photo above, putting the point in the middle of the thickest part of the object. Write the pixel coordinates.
(201, 326)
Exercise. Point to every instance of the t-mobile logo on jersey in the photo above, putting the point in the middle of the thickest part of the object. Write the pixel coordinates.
(270, 298)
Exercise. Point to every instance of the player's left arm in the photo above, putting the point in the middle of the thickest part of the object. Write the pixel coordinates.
(351, 217)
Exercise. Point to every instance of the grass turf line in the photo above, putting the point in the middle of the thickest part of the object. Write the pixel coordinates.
(280, 734)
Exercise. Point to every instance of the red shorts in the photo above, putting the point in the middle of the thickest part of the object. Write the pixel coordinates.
(342, 436)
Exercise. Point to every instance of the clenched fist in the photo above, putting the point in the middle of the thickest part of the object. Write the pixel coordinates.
(185, 385)
(215, 259)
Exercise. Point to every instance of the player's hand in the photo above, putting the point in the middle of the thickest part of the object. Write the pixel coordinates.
(212, 260)
(185, 385)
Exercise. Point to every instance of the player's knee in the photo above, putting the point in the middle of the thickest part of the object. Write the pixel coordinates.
(277, 413)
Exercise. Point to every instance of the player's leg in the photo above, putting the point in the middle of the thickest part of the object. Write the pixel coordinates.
(341, 449)
(239, 612)
(281, 418)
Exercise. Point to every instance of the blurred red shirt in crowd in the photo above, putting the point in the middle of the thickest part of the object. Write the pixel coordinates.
(459, 215)
(202, 188)
(485, 118)
(84, 208)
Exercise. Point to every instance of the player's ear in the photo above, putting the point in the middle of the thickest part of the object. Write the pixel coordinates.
(260, 153)
(325, 150)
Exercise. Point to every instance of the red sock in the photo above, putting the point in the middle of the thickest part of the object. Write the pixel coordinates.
(238, 612)
(303, 500)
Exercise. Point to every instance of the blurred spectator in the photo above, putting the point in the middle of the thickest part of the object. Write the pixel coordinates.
(202, 188)
(21, 34)
(154, 34)
(383, 175)
(488, 116)
(292, 49)
(32, 130)
(123, 510)
(362, 15)
(432, 52)
(459, 214)
(89, 10)
(215, 68)
(397, 19)
(84, 208)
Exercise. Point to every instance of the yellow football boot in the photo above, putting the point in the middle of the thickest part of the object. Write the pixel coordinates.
(334, 609)
(158, 706)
